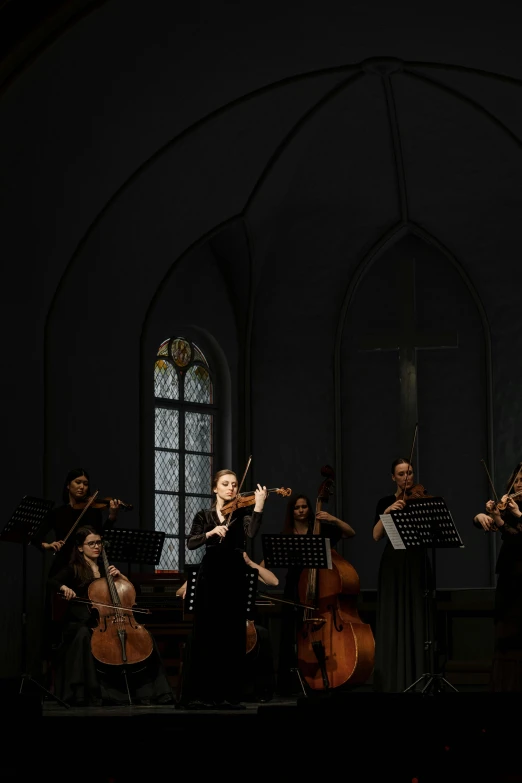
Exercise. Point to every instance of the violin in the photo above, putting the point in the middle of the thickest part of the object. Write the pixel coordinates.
(244, 499)
(334, 646)
(417, 491)
(104, 503)
(503, 504)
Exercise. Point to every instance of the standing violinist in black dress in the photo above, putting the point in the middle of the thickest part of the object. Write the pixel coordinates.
(217, 655)
(400, 656)
(506, 671)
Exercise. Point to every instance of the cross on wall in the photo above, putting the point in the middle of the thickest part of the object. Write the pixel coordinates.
(407, 340)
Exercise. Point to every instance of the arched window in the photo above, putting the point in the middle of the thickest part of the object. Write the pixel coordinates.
(183, 445)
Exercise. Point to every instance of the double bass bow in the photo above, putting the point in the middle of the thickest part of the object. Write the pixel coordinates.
(334, 646)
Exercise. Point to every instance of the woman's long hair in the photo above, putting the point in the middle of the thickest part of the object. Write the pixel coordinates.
(82, 570)
(73, 474)
(289, 523)
(516, 470)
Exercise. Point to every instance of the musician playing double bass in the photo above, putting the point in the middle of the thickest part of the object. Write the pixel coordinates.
(299, 520)
(80, 679)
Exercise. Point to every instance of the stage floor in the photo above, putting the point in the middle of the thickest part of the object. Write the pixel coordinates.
(361, 736)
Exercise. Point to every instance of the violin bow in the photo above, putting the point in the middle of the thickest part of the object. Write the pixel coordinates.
(87, 505)
(111, 606)
(490, 481)
(411, 457)
(240, 485)
(514, 480)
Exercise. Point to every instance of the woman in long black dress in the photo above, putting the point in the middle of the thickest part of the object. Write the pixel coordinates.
(80, 679)
(218, 645)
(300, 520)
(400, 634)
(506, 671)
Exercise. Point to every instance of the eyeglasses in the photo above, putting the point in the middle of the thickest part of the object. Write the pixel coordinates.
(93, 543)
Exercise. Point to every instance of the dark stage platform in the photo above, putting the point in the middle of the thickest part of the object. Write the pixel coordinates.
(361, 736)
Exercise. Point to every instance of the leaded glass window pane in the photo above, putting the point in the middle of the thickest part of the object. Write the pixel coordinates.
(184, 446)
(167, 513)
(167, 428)
(198, 431)
(198, 387)
(197, 474)
(167, 471)
(169, 560)
(163, 350)
(166, 382)
(198, 355)
(194, 556)
(192, 506)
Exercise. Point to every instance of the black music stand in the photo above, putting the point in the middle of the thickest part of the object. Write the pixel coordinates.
(425, 523)
(286, 550)
(134, 546)
(189, 604)
(20, 529)
(189, 609)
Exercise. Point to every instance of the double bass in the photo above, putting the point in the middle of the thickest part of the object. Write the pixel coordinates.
(334, 646)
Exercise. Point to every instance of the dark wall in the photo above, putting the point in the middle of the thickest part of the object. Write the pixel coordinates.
(255, 178)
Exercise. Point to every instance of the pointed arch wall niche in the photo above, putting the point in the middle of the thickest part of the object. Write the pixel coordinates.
(414, 346)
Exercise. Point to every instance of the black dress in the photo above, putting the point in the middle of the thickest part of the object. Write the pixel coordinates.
(217, 651)
(506, 673)
(292, 618)
(402, 614)
(79, 678)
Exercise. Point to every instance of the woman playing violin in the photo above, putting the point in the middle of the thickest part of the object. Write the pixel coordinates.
(80, 680)
(506, 516)
(218, 646)
(62, 518)
(401, 612)
(299, 520)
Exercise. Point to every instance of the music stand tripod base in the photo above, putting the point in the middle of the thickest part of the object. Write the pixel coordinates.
(23, 525)
(434, 683)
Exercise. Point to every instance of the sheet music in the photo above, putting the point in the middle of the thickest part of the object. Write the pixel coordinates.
(393, 533)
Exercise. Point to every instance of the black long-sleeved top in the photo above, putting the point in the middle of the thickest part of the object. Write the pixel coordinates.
(244, 523)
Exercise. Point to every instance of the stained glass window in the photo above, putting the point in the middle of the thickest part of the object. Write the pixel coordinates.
(184, 446)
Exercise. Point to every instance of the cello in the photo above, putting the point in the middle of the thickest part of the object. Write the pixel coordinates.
(117, 638)
(334, 646)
